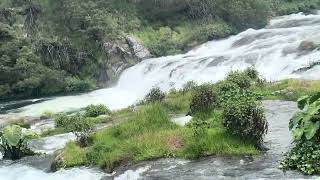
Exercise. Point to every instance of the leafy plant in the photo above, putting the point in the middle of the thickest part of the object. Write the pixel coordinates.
(204, 100)
(305, 125)
(244, 117)
(242, 79)
(62, 120)
(82, 127)
(304, 157)
(13, 142)
(155, 95)
(252, 73)
(96, 110)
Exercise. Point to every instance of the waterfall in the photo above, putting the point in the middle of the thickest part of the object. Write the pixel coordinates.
(274, 51)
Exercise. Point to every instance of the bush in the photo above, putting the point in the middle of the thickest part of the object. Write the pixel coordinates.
(96, 110)
(77, 85)
(189, 86)
(252, 73)
(204, 100)
(82, 128)
(244, 117)
(239, 78)
(155, 95)
(304, 157)
(62, 120)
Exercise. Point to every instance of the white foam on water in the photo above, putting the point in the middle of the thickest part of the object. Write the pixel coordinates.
(23, 172)
(49, 145)
(132, 174)
(182, 121)
(273, 51)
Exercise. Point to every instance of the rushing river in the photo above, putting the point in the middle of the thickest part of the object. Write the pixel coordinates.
(273, 51)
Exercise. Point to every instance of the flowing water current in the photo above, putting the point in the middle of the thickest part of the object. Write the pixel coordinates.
(274, 51)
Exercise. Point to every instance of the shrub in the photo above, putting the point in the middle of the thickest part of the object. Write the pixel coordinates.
(305, 157)
(199, 126)
(82, 128)
(252, 73)
(62, 120)
(78, 85)
(240, 78)
(244, 117)
(96, 110)
(14, 142)
(204, 100)
(189, 86)
(155, 95)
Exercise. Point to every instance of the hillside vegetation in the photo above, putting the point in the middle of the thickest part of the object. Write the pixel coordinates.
(51, 47)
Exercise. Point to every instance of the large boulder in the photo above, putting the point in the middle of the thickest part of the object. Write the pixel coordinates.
(121, 54)
(137, 49)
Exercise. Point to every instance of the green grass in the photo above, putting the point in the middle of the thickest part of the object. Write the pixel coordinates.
(149, 134)
(291, 89)
(52, 132)
(74, 155)
(177, 102)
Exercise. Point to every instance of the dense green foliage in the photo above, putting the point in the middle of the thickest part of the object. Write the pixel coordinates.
(155, 95)
(204, 100)
(244, 117)
(96, 110)
(13, 142)
(305, 126)
(56, 46)
(305, 157)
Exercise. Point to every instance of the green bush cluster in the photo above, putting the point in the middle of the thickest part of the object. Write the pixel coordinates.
(79, 124)
(244, 117)
(189, 86)
(204, 100)
(242, 79)
(305, 157)
(155, 95)
(96, 110)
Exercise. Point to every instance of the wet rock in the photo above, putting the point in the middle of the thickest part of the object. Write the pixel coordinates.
(137, 49)
(122, 54)
(283, 92)
(58, 162)
(307, 46)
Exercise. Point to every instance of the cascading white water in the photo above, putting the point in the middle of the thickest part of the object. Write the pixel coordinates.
(273, 51)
